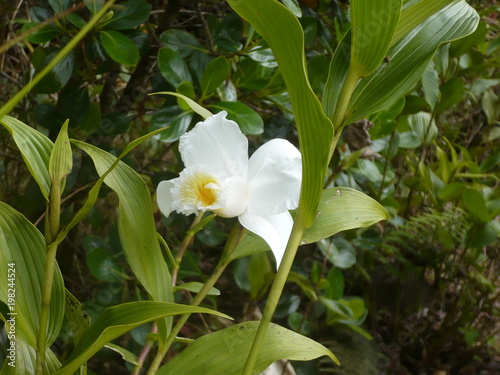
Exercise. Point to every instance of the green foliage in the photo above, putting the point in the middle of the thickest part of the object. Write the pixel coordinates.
(424, 90)
(227, 349)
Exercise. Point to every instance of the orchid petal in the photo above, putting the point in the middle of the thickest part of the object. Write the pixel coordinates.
(274, 178)
(216, 142)
(274, 229)
(164, 196)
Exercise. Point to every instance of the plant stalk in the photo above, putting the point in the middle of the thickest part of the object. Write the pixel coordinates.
(53, 218)
(275, 293)
(344, 98)
(234, 238)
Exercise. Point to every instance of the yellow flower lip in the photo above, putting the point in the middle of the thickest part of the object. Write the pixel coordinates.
(200, 188)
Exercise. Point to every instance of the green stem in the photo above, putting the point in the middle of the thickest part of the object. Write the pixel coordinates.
(344, 98)
(48, 279)
(275, 293)
(53, 219)
(5, 109)
(234, 238)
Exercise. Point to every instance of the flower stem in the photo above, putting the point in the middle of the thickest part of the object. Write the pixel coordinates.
(275, 293)
(53, 219)
(344, 98)
(48, 278)
(234, 238)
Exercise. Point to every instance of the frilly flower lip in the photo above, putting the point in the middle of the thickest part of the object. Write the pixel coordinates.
(219, 177)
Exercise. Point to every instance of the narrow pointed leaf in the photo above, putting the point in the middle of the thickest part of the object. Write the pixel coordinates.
(24, 246)
(284, 34)
(94, 192)
(341, 209)
(373, 24)
(225, 351)
(337, 74)
(35, 149)
(409, 58)
(117, 320)
(214, 75)
(61, 159)
(135, 223)
(205, 113)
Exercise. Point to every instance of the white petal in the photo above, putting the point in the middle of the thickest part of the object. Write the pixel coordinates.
(274, 229)
(274, 178)
(234, 195)
(218, 143)
(164, 196)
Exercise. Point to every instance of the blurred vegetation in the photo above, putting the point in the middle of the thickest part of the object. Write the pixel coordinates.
(424, 286)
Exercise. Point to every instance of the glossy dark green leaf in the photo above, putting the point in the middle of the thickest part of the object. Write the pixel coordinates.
(129, 15)
(181, 41)
(94, 5)
(173, 67)
(43, 35)
(59, 5)
(339, 252)
(225, 351)
(214, 75)
(452, 93)
(335, 288)
(119, 47)
(249, 121)
(178, 123)
(317, 69)
(102, 266)
(58, 76)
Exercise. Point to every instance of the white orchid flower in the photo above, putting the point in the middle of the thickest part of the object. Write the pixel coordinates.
(219, 177)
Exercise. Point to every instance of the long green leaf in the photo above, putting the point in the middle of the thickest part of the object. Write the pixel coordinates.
(35, 149)
(22, 245)
(409, 58)
(284, 34)
(135, 223)
(116, 320)
(225, 351)
(372, 26)
(414, 15)
(341, 209)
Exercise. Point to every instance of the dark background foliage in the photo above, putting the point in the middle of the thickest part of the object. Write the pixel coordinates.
(423, 285)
